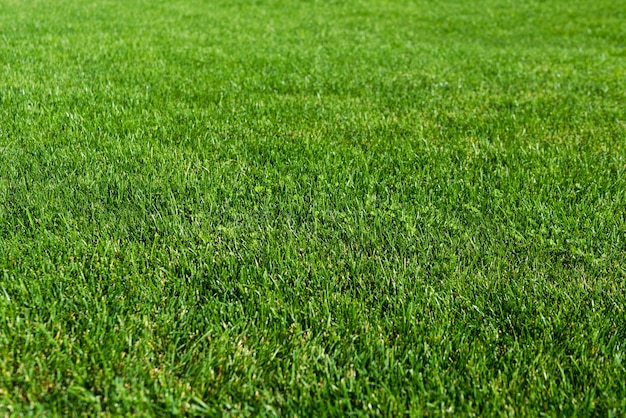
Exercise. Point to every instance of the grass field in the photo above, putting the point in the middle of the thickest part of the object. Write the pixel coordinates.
(313, 208)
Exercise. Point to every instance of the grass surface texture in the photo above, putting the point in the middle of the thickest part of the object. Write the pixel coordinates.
(313, 207)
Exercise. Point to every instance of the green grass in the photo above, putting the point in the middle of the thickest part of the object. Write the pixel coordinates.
(313, 207)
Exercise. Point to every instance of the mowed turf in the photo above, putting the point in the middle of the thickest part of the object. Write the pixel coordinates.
(313, 207)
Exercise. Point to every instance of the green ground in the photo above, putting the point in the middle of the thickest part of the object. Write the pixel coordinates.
(313, 207)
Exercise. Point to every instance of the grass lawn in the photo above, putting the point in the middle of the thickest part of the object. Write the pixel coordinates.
(311, 208)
